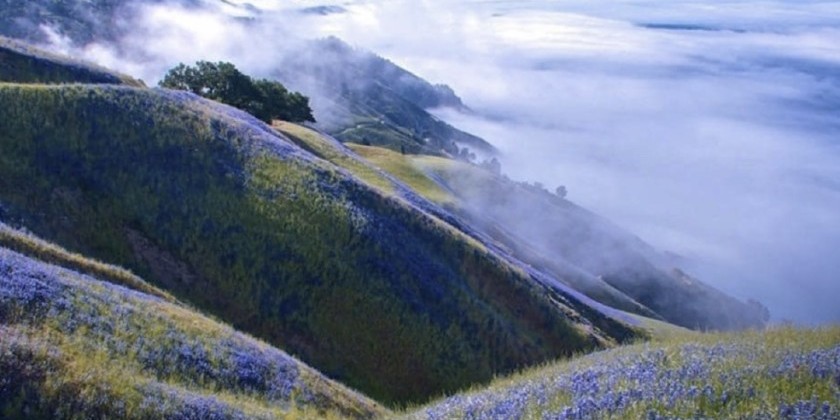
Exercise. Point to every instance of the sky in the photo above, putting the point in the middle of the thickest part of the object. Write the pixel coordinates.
(710, 129)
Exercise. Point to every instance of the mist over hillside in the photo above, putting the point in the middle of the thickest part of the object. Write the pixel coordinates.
(708, 130)
(359, 97)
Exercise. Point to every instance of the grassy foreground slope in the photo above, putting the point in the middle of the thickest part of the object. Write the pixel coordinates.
(74, 346)
(222, 212)
(783, 373)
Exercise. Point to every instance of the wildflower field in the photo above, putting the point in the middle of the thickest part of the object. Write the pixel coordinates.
(785, 373)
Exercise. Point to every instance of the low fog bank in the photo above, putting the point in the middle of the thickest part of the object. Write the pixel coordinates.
(708, 129)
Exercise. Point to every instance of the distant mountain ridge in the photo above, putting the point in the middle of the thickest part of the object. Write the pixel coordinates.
(369, 99)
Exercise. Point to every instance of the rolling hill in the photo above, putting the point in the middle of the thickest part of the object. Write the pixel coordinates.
(579, 249)
(228, 215)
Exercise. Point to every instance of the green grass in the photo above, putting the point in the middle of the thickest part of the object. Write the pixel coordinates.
(408, 169)
(325, 149)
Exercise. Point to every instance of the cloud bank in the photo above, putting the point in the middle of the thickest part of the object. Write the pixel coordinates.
(710, 129)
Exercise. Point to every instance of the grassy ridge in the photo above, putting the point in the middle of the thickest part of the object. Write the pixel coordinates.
(72, 346)
(37, 248)
(219, 210)
(317, 145)
(406, 170)
(21, 63)
(784, 373)
(431, 176)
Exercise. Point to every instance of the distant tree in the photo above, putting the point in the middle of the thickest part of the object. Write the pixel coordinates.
(760, 310)
(223, 82)
(492, 165)
(560, 191)
(465, 154)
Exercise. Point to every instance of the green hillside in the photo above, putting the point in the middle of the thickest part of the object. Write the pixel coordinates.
(225, 214)
(404, 276)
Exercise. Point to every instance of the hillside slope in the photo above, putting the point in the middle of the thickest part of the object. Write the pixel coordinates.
(74, 346)
(363, 98)
(581, 249)
(235, 219)
(777, 374)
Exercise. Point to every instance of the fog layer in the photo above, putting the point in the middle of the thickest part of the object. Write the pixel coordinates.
(711, 129)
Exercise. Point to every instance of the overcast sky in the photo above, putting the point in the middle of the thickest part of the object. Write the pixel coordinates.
(708, 128)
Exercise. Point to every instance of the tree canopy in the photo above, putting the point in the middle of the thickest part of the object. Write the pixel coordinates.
(223, 82)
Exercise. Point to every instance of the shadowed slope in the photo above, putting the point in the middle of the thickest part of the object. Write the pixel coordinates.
(220, 210)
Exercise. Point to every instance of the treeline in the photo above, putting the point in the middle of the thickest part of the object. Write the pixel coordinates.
(265, 99)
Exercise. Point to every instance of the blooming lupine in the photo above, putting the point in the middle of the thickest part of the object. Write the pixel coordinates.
(693, 380)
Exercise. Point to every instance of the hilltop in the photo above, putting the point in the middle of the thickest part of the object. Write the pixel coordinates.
(22, 63)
